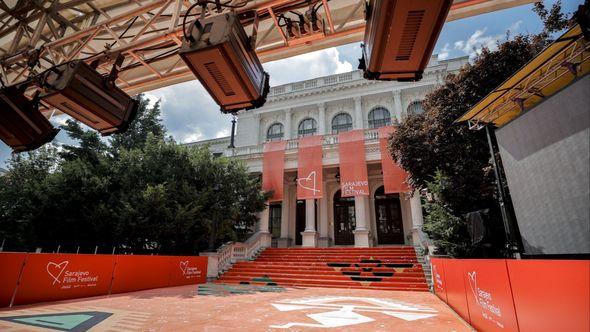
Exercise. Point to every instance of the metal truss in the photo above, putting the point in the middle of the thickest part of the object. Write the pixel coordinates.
(149, 32)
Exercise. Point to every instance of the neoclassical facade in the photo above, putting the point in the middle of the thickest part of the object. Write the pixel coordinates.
(327, 106)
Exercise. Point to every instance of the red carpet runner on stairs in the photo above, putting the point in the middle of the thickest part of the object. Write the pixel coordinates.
(387, 268)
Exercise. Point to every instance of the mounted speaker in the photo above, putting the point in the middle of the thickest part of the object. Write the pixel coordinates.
(78, 90)
(220, 55)
(400, 36)
(22, 126)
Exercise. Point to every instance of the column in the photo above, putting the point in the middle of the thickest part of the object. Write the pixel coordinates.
(358, 113)
(397, 105)
(284, 241)
(287, 124)
(417, 220)
(361, 233)
(322, 119)
(256, 128)
(324, 239)
(309, 236)
(263, 227)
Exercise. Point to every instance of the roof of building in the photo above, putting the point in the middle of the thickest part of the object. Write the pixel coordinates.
(556, 67)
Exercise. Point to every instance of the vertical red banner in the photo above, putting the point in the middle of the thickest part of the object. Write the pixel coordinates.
(273, 169)
(551, 295)
(438, 278)
(354, 179)
(395, 179)
(455, 287)
(489, 295)
(309, 168)
(52, 277)
(11, 264)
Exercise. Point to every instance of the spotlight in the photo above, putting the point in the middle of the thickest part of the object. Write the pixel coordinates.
(400, 36)
(22, 126)
(78, 90)
(220, 55)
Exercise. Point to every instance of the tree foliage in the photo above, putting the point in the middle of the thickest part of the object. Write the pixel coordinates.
(138, 192)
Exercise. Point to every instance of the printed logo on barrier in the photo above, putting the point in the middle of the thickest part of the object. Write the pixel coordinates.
(309, 183)
(70, 279)
(188, 271)
(484, 299)
(339, 311)
(437, 279)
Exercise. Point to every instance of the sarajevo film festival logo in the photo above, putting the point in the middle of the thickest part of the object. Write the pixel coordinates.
(55, 270)
(309, 183)
(188, 271)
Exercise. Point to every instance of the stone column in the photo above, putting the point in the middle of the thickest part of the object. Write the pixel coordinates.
(287, 124)
(256, 128)
(284, 241)
(417, 220)
(361, 233)
(324, 239)
(321, 118)
(263, 226)
(309, 236)
(397, 105)
(358, 113)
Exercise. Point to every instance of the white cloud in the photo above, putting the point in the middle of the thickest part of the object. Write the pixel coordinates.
(444, 52)
(473, 45)
(223, 133)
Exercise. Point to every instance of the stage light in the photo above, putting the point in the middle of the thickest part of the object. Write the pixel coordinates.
(400, 36)
(220, 55)
(22, 126)
(78, 90)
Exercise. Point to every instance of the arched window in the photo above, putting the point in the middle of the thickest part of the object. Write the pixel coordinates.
(341, 123)
(275, 132)
(307, 127)
(379, 117)
(415, 107)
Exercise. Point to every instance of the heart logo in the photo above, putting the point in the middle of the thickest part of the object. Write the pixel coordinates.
(473, 284)
(55, 270)
(309, 183)
(183, 267)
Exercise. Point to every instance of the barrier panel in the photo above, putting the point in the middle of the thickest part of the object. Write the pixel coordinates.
(455, 287)
(134, 273)
(438, 278)
(187, 270)
(489, 296)
(551, 295)
(12, 264)
(52, 277)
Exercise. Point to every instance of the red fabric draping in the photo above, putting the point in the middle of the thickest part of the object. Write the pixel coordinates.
(309, 168)
(354, 180)
(273, 169)
(395, 179)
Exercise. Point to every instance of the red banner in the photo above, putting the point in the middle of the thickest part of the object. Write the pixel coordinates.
(273, 169)
(395, 179)
(489, 295)
(187, 270)
(309, 168)
(52, 277)
(455, 286)
(354, 180)
(551, 295)
(12, 264)
(438, 278)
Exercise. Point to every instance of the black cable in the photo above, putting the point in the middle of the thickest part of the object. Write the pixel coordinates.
(125, 31)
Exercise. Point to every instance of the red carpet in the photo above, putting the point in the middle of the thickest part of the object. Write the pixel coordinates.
(386, 268)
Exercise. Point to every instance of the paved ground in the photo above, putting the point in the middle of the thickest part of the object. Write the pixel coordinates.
(214, 307)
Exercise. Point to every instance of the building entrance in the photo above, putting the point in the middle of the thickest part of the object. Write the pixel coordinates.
(388, 211)
(344, 219)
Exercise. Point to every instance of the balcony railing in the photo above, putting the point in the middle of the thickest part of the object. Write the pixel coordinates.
(371, 135)
(315, 83)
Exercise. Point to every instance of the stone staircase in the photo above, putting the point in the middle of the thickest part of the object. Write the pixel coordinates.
(386, 268)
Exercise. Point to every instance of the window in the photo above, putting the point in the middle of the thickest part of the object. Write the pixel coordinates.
(307, 127)
(415, 107)
(341, 123)
(379, 117)
(275, 132)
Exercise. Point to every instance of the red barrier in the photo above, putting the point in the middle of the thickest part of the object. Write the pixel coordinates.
(187, 270)
(455, 286)
(489, 296)
(438, 278)
(551, 295)
(134, 273)
(51, 277)
(11, 264)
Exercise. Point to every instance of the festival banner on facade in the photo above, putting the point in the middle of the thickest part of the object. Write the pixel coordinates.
(309, 168)
(273, 169)
(395, 178)
(354, 179)
(52, 277)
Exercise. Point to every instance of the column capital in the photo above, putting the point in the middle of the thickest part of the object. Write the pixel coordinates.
(396, 93)
(357, 99)
(322, 106)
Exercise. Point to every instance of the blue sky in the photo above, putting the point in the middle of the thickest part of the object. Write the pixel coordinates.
(189, 113)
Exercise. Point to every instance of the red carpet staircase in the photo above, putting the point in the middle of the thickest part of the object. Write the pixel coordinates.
(386, 268)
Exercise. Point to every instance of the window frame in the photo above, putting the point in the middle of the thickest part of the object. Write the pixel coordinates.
(341, 128)
(275, 136)
(307, 132)
(381, 122)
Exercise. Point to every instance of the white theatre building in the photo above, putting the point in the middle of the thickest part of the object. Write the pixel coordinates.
(327, 106)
